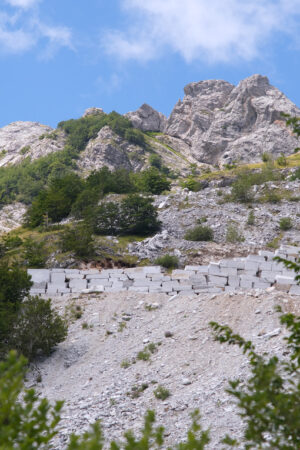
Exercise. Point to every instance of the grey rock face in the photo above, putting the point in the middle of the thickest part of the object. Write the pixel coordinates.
(20, 140)
(109, 149)
(222, 123)
(147, 119)
(92, 111)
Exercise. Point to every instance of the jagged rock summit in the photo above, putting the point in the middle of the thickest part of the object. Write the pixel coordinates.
(215, 123)
(223, 123)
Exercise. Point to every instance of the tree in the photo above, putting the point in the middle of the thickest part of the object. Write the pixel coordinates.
(152, 180)
(27, 424)
(138, 216)
(37, 328)
(14, 286)
(78, 239)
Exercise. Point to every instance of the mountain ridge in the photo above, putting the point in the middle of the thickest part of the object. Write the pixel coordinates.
(215, 123)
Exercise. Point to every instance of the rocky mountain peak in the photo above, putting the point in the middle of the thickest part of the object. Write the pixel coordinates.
(211, 93)
(147, 119)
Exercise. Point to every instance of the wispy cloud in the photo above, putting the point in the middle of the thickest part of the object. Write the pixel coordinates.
(25, 4)
(22, 29)
(215, 30)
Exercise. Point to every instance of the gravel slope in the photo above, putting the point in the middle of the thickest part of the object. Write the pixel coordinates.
(86, 369)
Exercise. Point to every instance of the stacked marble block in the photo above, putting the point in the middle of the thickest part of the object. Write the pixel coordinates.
(253, 272)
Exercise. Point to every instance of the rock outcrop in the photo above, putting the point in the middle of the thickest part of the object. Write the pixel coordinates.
(20, 140)
(147, 119)
(112, 151)
(92, 111)
(223, 123)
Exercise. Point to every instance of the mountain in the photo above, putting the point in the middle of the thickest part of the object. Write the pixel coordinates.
(215, 123)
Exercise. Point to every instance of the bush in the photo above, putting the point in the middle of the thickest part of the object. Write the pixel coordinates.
(168, 261)
(242, 189)
(251, 218)
(199, 233)
(78, 239)
(34, 253)
(192, 184)
(155, 161)
(37, 329)
(135, 137)
(281, 160)
(161, 393)
(152, 181)
(266, 157)
(233, 234)
(134, 215)
(14, 286)
(285, 223)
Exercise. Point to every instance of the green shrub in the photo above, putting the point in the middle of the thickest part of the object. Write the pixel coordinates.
(266, 157)
(270, 196)
(192, 184)
(25, 150)
(134, 215)
(167, 261)
(152, 181)
(161, 393)
(233, 234)
(281, 160)
(285, 223)
(155, 160)
(78, 239)
(14, 287)
(37, 329)
(34, 253)
(135, 137)
(251, 218)
(241, 190)
(199, 233)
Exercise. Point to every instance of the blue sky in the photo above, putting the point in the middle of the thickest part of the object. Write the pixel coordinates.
(59, 57)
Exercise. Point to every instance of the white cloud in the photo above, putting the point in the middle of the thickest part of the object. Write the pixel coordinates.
(217, 30)
(24, 29)
(25, 4)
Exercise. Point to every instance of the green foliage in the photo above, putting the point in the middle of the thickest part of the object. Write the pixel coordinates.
(34, 253)
(294, 122)
(285, 223)
(192, 184)
(25, 150)
(14, 286)
(168, 261)
(242, 188)
(135, 137)
(78, 239)
(199, 233)
(161, 393)
(233, 234)
(266, 157)
(270, 196)
(26, 424)
(134, 215)
(251, 218)
(152, 181)
(37, 329)
(269, 400)
(281, 160)
(55, 201)
(80, 131)
(155, 161)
